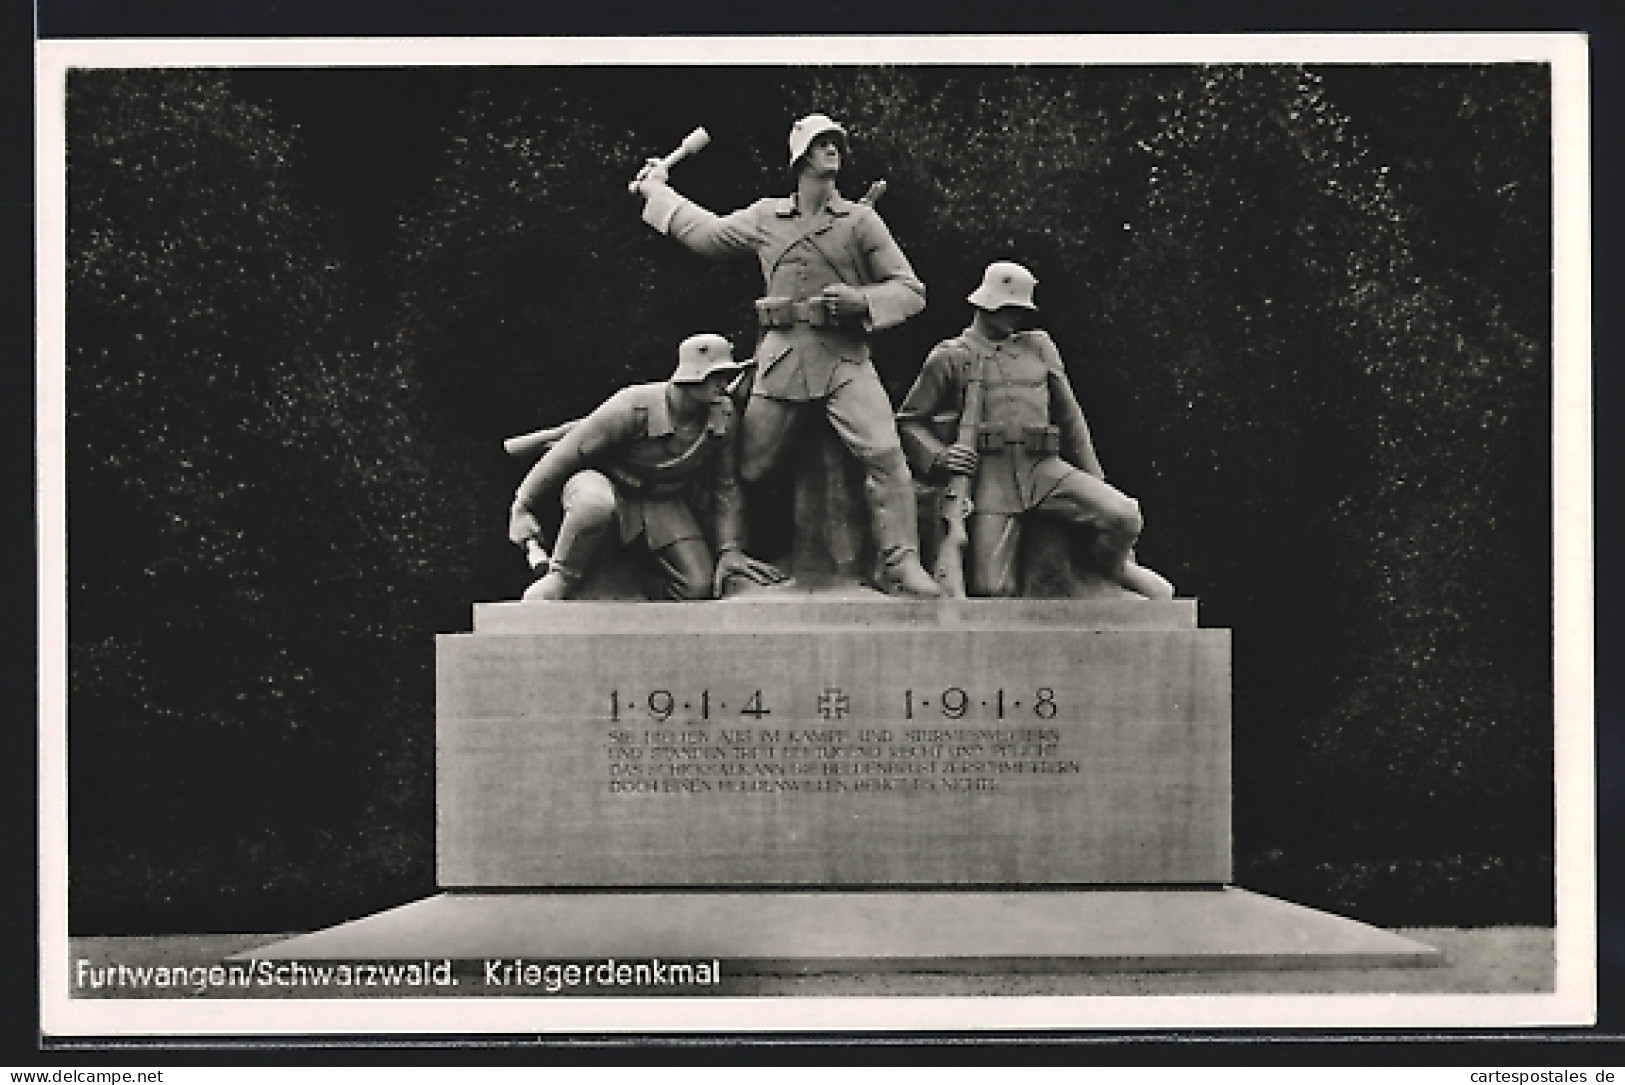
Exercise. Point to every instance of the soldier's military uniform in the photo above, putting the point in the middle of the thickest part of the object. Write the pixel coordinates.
(1034, 448)
(805, 354)
(633, 464)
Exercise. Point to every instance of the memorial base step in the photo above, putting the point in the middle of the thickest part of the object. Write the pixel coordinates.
(778, 932)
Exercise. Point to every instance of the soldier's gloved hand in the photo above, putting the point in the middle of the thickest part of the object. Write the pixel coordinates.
(958, 460)
(652, 174)
(522, 525)
(735, 562)
(843, 300)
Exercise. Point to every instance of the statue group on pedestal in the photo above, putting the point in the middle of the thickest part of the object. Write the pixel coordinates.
(992, 416)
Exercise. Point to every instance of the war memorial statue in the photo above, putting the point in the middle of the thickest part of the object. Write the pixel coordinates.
(808, 780)
(993, 407)
(639, 461)
(833, 275)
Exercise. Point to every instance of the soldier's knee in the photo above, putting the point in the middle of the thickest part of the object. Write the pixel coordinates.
(883, 464)
(754, 467)
(758, 452)
(765, 429)
(688, 572)
(589, 497)
(1123, 519)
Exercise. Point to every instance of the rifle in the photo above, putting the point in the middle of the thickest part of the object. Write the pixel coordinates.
(956, 500)
(538, 441)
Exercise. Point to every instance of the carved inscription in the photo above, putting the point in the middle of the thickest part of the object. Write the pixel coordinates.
(667, 743)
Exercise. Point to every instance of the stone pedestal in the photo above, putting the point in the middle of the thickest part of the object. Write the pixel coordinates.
(801, 782)
(796, 741)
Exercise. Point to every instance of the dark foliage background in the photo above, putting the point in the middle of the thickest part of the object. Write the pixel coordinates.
(1307, 311)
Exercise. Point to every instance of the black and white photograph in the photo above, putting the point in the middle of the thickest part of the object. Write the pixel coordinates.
(821, 534)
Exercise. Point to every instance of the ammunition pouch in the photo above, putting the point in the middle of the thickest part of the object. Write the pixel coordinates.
(782, 313)
(1034, 440)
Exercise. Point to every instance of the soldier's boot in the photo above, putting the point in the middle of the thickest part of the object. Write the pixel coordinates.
(1146, 582)
(1137, 578)
(894, 521)
(902, 574)
(558, 583)
(1114, 551)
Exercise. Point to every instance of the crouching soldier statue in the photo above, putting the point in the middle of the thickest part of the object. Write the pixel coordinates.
(1015, 431)
(641, 461)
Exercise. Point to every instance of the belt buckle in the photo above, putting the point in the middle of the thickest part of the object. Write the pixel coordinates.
(806, 311)
(775, 312)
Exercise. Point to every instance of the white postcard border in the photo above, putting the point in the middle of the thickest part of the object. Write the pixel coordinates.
(1572, 1002)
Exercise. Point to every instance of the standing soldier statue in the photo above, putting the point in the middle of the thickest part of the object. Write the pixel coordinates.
(833, 274)
(1032, 453)
(641, 460)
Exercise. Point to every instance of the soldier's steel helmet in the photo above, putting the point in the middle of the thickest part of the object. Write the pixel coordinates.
(699, 356)
(809, 128)
(1004, 283)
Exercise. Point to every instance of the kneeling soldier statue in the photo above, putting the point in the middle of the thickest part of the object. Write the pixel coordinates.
(640, 461)
(1022, 442)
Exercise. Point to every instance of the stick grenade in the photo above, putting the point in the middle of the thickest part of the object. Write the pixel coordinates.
(692, 143)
